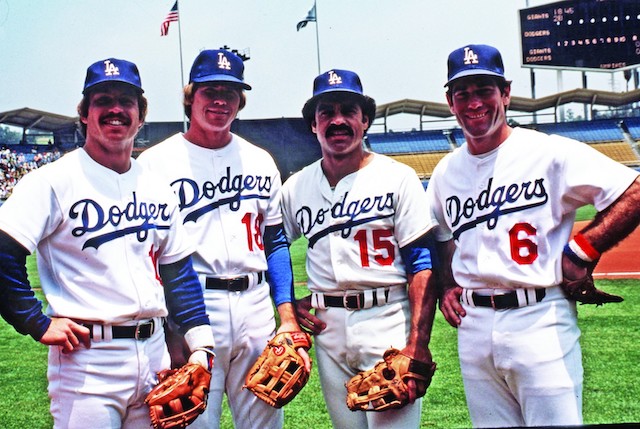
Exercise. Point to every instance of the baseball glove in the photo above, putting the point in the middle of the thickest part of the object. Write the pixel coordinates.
(179, 397)
(279, 373)
(384, 386)
(584, 291)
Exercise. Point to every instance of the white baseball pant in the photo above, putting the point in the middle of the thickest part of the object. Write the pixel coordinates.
(355, 341)
(523, 366)
(242, 324)
(105, 386)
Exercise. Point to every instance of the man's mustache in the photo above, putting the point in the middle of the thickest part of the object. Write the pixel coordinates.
(333, 129)
(122, 118)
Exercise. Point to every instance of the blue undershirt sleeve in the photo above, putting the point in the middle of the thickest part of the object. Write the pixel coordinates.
(419, 254)
(19, 305)
(183, 294)
(279, 271)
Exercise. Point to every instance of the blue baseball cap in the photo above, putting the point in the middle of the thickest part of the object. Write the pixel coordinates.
(218, 65)
(336, 81)
(112, 70)
(471, 60)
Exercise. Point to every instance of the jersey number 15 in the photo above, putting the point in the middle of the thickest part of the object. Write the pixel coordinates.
(385, 250)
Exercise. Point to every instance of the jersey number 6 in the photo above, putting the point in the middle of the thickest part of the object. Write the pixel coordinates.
(523, 250)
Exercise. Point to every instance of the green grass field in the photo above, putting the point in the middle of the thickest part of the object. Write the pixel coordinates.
(610, 338)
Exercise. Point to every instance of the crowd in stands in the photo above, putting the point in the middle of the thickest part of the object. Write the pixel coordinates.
(14, 165)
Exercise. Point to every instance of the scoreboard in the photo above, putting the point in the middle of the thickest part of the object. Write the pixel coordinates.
(581, 34)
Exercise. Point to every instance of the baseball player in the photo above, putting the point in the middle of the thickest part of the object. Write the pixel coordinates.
(505, 202)
(229, 196)
(363, 215)
(112, 257)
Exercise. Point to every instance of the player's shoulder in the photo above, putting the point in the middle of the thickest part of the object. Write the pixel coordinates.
(149, 179)
(385, 169)
(167, 145)
(66, 172)
(449, 161)
(384, 161)
(68, 164)
(311, 173)
(554, 145)
(534, 136)
(246, 146)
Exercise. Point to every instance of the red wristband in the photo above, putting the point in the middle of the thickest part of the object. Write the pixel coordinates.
(586, 247)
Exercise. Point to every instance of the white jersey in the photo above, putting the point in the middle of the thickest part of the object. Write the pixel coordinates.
(356, 230)
(100, 236)
(511, 210)
(227, 196)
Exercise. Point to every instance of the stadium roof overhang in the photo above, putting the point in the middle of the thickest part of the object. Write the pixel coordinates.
(30, 119)
(518, 104)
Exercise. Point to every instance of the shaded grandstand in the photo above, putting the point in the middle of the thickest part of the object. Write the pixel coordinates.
(289, 141)
(422, 150)
(293, 145)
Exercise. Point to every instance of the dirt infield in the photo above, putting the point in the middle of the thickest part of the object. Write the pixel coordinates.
(621, 262)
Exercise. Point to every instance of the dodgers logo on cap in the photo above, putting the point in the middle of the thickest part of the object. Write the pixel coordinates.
(473, 60)
(112, 70)
(337, 80)
(218, 65)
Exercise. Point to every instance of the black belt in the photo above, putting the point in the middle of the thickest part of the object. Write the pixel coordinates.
(235, 284)
(139, 332)
(503, 301)
(352, 301)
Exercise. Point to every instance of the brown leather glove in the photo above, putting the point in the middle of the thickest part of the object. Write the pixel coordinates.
(384, 386)
(180, 396)
(279, 373)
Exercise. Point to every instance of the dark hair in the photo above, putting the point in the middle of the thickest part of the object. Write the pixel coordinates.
(190, 89)
(83, 107)
(367, 104)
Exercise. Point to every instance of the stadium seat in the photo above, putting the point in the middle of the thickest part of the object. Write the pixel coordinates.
(633, 125)
(422, 163)
(597, 131)
(618, 151)
(408, 142)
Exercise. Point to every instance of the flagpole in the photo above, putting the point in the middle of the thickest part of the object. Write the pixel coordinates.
(317, 37)
(184, 116)
(312, 16)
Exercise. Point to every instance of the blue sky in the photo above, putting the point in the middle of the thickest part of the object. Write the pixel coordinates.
(398, 47)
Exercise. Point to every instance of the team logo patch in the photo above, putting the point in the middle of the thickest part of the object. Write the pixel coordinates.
(470, 57)
(223, 62)
(334, 79)
(111, 69)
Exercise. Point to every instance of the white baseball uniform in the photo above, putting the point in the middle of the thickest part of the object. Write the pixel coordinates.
(227, 197)
(510, 213)
(100, 237)
(354, 234)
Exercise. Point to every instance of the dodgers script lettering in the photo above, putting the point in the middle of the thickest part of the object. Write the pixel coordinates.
(349, 211)
(491, 203)
(94, 217)
(230, 190)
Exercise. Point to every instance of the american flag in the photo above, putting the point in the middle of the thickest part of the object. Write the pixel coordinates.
(171, 17)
